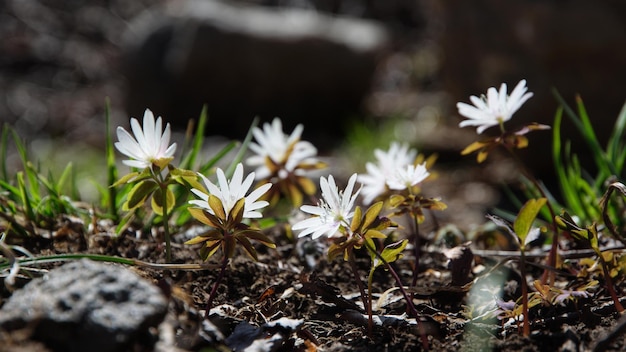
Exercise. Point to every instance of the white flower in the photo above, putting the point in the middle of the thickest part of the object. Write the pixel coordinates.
(229, 193)
(375, 181)
(333, 211)
(149, 145)
(285, 152)
(494, 109)
(408, 176)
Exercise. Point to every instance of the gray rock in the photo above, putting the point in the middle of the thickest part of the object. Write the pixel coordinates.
(245, 61)
(86, 306)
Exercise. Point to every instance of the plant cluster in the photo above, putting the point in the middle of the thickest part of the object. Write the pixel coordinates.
(230, 203)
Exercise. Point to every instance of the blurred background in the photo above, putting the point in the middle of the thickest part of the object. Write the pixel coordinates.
(356, 73)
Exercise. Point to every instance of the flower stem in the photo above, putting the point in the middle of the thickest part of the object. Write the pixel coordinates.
(166, 225)
(609, 284)
(555, 232)
(367, 299)
(524, 294)
(409, 301)
(209, 303)
(416, 252)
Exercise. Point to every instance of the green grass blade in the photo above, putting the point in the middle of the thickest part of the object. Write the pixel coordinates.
(243, 149)
(599, 155)
(615, 146)
(110, 160)
(214, 160)
(190, 159)
(567, 190)
(25, 198)
(30, 173)
(65, 178)
(583, 124)
(4, 143)
(14, 192)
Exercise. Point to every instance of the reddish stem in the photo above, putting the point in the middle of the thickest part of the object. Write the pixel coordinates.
(209, 304)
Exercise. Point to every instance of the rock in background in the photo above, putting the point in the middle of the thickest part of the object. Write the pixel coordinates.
(245, 61)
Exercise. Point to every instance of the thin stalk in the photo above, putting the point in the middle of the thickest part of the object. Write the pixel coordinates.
(416, 252)
(23, 262)
(367, 299)
(555, 232)
(524, 294)
(166, 225)
(209, 304)
(609, 284)
(409, 301)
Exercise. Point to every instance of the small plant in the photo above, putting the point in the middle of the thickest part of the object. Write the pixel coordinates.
(32, 199)
(396, 177)
(150, 152)
(523, 233)
(336, 218)
(284, 160)
(223, 208)
(589, 235)
(495, 109)
(580, 188)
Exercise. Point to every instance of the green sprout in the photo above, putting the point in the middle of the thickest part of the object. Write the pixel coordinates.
(589, 235)
(524, 233)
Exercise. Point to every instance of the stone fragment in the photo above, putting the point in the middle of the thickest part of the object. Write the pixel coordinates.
(87, 306)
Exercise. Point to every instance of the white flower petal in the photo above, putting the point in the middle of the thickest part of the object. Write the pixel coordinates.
(495, 108)
(147, 145)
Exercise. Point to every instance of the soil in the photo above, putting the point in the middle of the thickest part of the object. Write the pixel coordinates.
(295, 281)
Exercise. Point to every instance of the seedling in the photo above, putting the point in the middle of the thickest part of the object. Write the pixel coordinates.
(590, 236)
(523, 232)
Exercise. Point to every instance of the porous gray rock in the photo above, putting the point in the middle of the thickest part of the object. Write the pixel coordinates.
(245, 61)
(87, 306)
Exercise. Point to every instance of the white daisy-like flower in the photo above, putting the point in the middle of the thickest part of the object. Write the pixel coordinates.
(495, 108)
(407, 177)
(375, 181)
(149, 145)
(333, 212)
(285, 152)
(229, 193)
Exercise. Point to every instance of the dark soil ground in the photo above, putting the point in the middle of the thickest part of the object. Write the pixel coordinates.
(322, 297)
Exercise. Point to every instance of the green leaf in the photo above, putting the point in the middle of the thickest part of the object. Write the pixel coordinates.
(204, 217)
(390, 253)
(138, 194)
(356, 219)
(526, 217)
(127, 178)
(216, 205)
(249, 248)
(157, 201)
(236, 213)
(258, 236)
(371, 214)
(186, 178)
